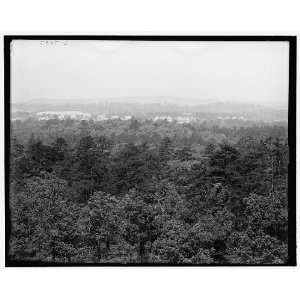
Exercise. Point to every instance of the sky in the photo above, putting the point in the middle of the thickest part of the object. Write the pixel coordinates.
(244, 72)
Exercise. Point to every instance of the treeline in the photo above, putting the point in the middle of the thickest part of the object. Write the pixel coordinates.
(144, 192)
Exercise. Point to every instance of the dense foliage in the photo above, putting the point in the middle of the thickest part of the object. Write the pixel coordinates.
(140, 191)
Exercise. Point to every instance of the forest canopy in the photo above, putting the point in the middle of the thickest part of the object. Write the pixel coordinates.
(140, 191)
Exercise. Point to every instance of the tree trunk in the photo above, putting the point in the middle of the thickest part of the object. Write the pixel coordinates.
(98, 248)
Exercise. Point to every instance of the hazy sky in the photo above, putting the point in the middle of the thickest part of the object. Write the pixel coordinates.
(254, 72)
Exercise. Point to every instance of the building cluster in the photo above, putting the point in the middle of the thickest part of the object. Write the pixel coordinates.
(78, 115)
(104, 117)
(232, 118)
(163, 118)
(185, 118)
(63, 115)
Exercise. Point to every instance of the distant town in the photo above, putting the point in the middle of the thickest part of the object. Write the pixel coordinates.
(78, 115)
(220, 113)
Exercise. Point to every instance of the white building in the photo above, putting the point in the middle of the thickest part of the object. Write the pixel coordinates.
(102, 117)
(163, 118)
(185, 119)
(126, 118)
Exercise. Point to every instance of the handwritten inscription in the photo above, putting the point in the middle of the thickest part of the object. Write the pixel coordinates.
(51, 43)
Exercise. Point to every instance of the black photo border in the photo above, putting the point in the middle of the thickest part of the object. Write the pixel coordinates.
(292, 40)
